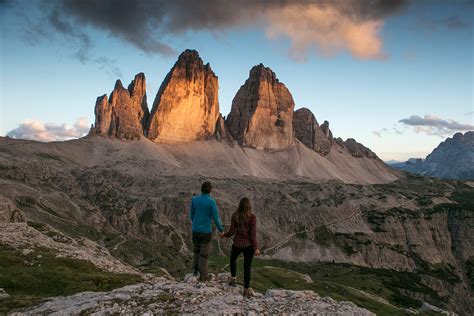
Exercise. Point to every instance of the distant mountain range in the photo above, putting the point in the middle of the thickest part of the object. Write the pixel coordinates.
(452, 159)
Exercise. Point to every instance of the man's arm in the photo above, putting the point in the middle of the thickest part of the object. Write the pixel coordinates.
(192, 211)
(215, 216)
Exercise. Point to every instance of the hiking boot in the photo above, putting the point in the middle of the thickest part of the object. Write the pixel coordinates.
(248, 293)
(196, 272)
(232, 281)
(205, 278)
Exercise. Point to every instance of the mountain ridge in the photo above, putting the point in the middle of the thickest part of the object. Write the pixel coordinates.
(453, 158)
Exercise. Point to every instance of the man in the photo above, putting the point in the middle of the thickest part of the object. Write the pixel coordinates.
(202, 212)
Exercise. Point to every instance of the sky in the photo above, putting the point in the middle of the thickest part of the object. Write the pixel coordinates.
(395, 75)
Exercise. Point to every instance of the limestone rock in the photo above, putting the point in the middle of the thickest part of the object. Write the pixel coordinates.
(222, 133)
(308, 131)
(3, 294)
(125, 114)
(9, 213)
(186, 107)
(262, 112)
(166, 297)
(358, 150)
(327, 132)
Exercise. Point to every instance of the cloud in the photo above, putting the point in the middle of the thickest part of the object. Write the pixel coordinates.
(323, 26)
(51, 24)
(433, 125)
(392, 130)
(453, 22)
(48, 132)
(325, 29)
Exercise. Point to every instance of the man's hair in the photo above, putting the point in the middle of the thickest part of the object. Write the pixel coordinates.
(206, 187)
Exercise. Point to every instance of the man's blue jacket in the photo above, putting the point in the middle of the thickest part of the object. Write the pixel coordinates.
(202, 211)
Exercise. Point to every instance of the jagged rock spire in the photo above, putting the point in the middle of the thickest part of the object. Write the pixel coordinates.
(186, 107)
(262, 112)
(125, 113)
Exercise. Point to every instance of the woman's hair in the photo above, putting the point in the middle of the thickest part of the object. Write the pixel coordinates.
(244, 211)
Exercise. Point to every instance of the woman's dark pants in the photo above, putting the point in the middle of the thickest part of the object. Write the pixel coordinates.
(248, 256)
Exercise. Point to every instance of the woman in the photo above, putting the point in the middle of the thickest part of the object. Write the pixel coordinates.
(244, 229)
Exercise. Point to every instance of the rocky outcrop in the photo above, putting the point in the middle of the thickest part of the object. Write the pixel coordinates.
(358, 150)
(222, 133)
(9, 212)
(186, 107)
(171, 297)
(262, 112)
(125, 114)
(307, 130)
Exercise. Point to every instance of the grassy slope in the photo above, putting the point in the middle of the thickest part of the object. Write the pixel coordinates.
(30, 278)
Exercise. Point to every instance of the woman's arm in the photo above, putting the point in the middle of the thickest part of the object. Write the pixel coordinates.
(232, 229)
(253, 232)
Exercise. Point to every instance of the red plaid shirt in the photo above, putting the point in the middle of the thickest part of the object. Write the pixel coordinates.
(245, 233)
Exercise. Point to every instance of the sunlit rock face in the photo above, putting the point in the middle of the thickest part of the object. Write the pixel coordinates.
(262, 112)
(308, 131)
(125, 114)
(186, 107)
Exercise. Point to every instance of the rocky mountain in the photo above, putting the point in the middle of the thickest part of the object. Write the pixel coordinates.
(124, 115)
(262, 112)
(326, 208)
(308, 131)
(186, 107)
(452, 159)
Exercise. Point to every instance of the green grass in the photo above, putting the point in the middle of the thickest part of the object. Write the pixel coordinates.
(29, 278)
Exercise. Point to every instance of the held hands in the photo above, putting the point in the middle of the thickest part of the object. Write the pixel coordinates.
(257, 252)
(222, 234)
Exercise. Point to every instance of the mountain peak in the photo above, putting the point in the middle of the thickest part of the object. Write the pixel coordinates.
(260, 72)
(186, 107)
(262, 112)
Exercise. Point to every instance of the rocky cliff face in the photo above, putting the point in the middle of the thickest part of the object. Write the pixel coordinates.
(262, 112)
(125, 114)
(452, 159)
(308, 131)
(186, 107)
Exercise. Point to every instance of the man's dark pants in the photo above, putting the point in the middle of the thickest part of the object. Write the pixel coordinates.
(202, 247)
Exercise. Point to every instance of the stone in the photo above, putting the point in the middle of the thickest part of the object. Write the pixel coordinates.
(3, 294)
(222, 133)
(262, 112)
(9, 213)
(223, 277)
(186, 107)
(357, 149)
(307, 130)
(125, 114)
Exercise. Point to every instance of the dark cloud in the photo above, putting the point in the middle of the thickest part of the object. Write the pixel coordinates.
(51, 24)
(150, 25)
(433, 125)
